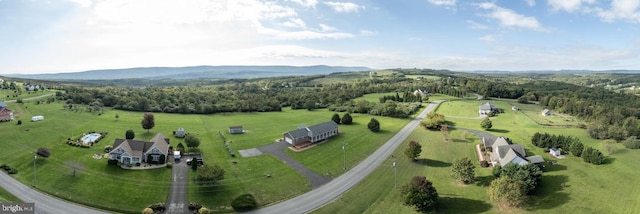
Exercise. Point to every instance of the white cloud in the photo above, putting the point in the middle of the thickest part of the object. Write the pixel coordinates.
(509, 18)
(306, 3)
(344, 7)
(568, 5)
(487, 38)
(620, 10)
(531, 3)
(294, 23)
(368, 33)
(83, 3)
(443, 2)
(476, 26)
(327, 28)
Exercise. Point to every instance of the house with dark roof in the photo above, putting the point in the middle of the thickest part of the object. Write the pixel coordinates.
(5, 113)
(487, 107)
(130, 151)
(504, 152)
(311, 134)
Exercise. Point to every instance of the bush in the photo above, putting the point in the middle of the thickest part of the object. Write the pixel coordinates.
(112, 162)
(497, 170)
(12, 171)
(484, 163)
(107, 149)
(195, 206)
(244, 202)
(159, 207)
(169, 165)
(203, 210)
(138, 164)
(19, 122)
(147, 211)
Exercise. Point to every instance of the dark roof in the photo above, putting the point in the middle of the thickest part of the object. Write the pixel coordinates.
(235, 127)
(518, 148)
(314, 130)
(323, 127)
(298, 133)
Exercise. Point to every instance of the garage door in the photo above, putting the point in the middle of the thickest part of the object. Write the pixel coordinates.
(289, 140)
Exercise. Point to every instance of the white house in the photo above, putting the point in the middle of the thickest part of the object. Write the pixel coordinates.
(504, 152)
(129, 151)
(487, 107)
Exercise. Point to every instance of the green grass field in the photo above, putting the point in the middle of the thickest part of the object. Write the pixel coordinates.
(9, 94)
(571, 186)
(6, 197)
(100, 185)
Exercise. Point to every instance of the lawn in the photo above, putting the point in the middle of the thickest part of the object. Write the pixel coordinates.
(571, 186)
(6, 197)
(107, 183)
(6, 94)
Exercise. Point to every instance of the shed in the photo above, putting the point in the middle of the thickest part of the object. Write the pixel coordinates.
(180, 133)
(37, 118)
(546, 112)
(555, 152)
(236, 130)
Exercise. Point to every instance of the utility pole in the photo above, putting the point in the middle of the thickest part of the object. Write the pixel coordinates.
(345, 155)
(395, 175)
(34, 168)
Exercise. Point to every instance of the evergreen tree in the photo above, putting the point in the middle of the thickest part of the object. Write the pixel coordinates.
(374, 125)
(346, 119)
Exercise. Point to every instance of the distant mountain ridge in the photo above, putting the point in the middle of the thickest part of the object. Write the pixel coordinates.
(192, 72)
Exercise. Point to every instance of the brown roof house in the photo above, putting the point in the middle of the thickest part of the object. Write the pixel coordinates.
(504, 152)
(5, 113)
(311, 134)
(129, 151)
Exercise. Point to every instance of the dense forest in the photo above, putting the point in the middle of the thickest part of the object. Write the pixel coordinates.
(610, 114)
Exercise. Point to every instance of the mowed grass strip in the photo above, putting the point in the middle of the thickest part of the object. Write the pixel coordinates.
(6, 197)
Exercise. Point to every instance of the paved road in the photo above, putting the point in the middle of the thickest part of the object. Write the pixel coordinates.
(326, 193)
(177, 203)
(32, 98)
(277, 150)
(44, 203)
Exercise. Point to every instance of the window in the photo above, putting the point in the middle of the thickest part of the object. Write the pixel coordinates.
(155, 157)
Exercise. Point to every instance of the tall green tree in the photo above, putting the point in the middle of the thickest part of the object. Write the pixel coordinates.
(374, 125)
(463, 170)
(336, 118)
(419, 193)
(192, 141)
(529, 174)
(346, 119)
(507, 192)
(433, 120)
(414, 150)
(486, 123)
(148, 121)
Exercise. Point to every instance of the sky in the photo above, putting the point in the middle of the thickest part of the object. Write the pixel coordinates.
(51, 36)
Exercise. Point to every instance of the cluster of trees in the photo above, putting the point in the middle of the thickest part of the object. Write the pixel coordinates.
(513, 184)
(593, 156)
(547, 140)
(346, 118)
(258, 95)
(407, 97)
(208, 175)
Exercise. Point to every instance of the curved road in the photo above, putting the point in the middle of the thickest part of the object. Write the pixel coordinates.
(301, 204)
(44, 203)
(326, 193)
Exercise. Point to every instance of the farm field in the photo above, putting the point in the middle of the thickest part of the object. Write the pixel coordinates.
(7, 94)
(246, 175)
(570, 186)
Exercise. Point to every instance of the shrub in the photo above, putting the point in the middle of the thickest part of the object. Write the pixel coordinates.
(108, 149)
(112, 162)
(19, 122)
(484, 163)
(244, 202)
(12, 171)
(169, 165)
(138, 164)
(195, 206)
(203, 210)
(497, 170)
(157, 207)
(147, 211)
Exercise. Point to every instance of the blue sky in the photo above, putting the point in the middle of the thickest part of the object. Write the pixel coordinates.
(40, 36)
